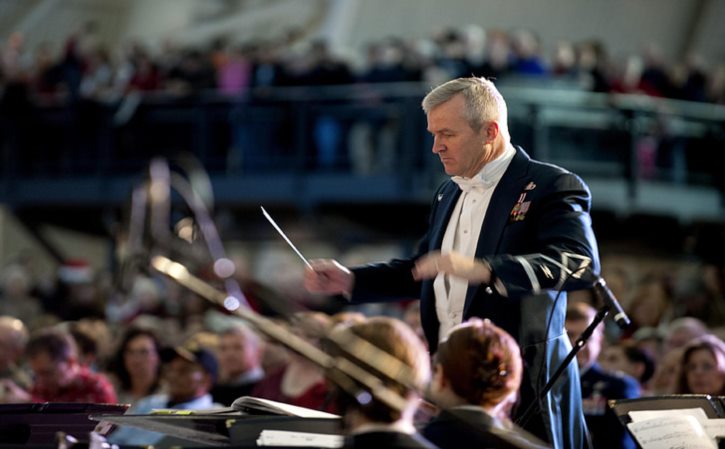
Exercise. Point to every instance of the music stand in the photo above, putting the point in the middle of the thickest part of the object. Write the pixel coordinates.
(27, 423)
(711, 405)
(221, 429)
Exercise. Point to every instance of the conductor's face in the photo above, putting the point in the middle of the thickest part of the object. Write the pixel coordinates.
(462, 150)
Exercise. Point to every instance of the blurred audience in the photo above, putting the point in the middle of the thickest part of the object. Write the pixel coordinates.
(666, 373)
(189, 372)
(93, 340)
(102, 74)
(649, 304)
(16, 298)
(300, 382)
(681, 331)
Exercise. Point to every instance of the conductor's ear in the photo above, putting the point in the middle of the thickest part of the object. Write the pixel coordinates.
(492, 131)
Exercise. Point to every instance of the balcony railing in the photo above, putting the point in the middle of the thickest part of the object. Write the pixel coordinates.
(341, 143)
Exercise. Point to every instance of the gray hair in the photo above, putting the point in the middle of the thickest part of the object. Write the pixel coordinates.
(483, 101)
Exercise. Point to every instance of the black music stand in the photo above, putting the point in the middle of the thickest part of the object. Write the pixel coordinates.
(38, 424)
(227, 428)
(713, 406)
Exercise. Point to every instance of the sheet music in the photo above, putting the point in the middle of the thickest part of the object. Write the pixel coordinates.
(672, 431)
(715, 428)
(298, 439)
(642, 415)
(280, 408)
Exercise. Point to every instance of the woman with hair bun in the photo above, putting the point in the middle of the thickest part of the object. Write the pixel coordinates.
(477, 375)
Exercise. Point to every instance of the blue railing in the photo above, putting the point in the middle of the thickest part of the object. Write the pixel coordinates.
(341, 143)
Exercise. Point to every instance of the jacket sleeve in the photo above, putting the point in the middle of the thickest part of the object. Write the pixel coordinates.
(563, 252)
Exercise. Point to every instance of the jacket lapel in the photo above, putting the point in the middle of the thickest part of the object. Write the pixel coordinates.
(446, 203)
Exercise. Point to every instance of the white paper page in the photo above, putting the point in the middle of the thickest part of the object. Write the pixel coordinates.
(643, 415)
(671, 432)
(299, 439)
(287, 408)
(715, 428)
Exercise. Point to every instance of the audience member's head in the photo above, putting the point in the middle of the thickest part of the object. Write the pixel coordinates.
(138, 360)
(396, 339)
(683, 330)
(239, 352)
(477, 364)
(578, 317)
(13, 338)
(628, 358)
(702, 368)
(650, 302)
(649, 340)
(666, 373)
(189, 372)
(92, 337)
(53, 358)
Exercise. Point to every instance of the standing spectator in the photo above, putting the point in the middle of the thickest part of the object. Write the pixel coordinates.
(599, 386)
(527, 59)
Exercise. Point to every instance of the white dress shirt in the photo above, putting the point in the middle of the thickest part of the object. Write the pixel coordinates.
(462, 233)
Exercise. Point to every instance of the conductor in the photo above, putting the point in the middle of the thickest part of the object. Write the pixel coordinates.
(505, 234)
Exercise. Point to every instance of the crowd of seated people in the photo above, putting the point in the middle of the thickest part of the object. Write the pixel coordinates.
(45, 358)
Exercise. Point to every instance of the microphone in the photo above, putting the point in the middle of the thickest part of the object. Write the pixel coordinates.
(605, 295)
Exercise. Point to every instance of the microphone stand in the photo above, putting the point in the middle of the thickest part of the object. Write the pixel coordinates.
(578, 344)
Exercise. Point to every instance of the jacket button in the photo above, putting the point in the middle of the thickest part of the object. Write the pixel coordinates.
(488, 290)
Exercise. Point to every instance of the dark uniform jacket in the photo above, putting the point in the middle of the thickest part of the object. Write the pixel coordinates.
(537, 238)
